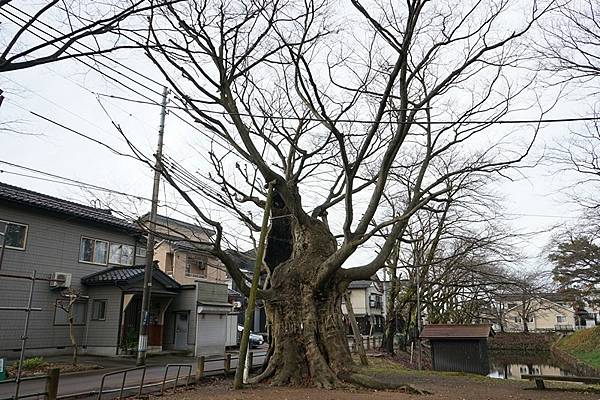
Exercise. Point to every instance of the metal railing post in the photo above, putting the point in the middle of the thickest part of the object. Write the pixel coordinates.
(24, 337)
(199, 368)
(227, 363)
(52, 384)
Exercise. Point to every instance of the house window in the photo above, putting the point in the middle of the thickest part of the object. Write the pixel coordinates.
(93, 251)
(375, 301)
(561, 319)
(530, 319)
(518, 319)
(79, 312)
(99, 310)
(169, 263)
(121, 254)
(16, 235)
(140, 252)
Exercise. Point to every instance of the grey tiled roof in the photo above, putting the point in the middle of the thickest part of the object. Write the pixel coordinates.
(359, 284)
(189, 246)
(127, 275)
(28, 198)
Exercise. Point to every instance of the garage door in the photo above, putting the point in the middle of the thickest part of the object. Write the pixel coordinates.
(211, 334)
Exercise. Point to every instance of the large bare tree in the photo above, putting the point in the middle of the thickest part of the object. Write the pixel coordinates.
(328, 106)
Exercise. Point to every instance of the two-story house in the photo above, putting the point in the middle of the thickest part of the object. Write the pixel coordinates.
(367, 303)
(182, 251)
(100, 257)
(540, 313)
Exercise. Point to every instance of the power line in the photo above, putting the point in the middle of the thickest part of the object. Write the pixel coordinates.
(149, 100)
(76, 132)
(85, 46)
(55, 178)
(366, 121)
(224, 113)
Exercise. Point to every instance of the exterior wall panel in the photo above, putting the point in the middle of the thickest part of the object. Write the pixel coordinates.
(52, 245)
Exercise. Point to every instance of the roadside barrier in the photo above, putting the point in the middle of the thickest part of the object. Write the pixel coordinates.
(138, 389)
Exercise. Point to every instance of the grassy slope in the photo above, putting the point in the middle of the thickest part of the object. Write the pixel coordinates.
(583, 344)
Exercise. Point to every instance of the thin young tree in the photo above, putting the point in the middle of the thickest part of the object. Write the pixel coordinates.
(328, 107)
(67, 304)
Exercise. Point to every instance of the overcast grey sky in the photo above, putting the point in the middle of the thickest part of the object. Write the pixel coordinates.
(68, 93)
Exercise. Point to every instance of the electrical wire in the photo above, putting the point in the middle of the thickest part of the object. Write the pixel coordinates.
(150, 101)
(73, 182)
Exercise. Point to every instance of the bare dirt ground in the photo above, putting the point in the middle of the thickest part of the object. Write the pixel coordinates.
(441, 386)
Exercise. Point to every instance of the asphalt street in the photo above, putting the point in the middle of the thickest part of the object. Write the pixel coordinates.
(90, 381)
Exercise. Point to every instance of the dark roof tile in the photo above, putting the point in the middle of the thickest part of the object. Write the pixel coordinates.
(127, 275)
(29, 198)
(452, 332)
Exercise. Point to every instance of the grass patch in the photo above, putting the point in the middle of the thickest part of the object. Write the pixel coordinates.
(584, 345)
(383, 366)
(32, 363)
(589, 357)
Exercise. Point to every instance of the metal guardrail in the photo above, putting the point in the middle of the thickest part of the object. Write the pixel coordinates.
(138, 387)
(122, 388)
(28, 378)
(176, 381)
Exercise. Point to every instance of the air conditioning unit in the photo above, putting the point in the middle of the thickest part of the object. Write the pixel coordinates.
(60, 280)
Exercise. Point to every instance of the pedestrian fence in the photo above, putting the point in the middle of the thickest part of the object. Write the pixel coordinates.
(367, 341)
(133, 389)
(50, 388)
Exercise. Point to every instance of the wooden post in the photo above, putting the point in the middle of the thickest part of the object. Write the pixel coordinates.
(227, 365)
(369, 343)
(260, 256)
(52, 384)
(250, 361)
(539, 384)
(199, 368)
(358, 340)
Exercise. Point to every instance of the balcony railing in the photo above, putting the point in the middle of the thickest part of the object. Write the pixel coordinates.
(563, 327)
(194, 275)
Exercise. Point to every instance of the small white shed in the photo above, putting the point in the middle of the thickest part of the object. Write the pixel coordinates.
(212, 311)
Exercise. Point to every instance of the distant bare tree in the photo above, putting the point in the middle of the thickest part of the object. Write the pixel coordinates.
(456, 245)
(571, 51)
(528, 289)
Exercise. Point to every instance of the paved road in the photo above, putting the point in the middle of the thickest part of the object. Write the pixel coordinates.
(90, 381)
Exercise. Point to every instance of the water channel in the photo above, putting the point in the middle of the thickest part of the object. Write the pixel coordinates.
(506, 365)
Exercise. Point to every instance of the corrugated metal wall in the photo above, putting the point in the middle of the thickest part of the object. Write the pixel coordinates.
(460, 356)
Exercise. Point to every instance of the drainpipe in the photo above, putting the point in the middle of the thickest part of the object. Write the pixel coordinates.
(3, 235)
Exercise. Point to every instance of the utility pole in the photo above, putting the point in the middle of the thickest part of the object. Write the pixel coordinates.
(260, 255)
(419, 366)
(145, 314)
(3, 247)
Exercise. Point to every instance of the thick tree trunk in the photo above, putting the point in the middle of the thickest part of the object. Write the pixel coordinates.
(310, 344)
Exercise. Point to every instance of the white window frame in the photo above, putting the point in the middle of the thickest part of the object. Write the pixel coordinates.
(120, 260)
(94, 252)
(26, 234)
(560, 316)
